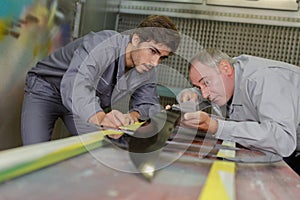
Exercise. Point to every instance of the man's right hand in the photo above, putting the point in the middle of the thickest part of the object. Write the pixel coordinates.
(112, 119)
(188, 95)
(201, 121)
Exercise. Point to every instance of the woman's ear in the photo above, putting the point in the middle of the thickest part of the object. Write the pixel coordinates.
(226, 68)
(135, 39)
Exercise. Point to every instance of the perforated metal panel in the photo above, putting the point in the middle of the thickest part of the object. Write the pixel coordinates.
(273, 42)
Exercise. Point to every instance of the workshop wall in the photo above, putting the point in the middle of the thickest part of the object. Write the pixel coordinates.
(270, 33)
(29, 30)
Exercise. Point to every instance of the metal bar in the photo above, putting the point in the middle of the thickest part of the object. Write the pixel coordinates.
(199, 146)
(22, 160)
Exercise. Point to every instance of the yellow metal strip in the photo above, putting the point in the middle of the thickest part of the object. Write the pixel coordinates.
(28, 163)
(220, 183)
(22, 160)
(132, 127)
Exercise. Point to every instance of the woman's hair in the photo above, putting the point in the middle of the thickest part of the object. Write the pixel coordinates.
(159, 29)
(211, 57)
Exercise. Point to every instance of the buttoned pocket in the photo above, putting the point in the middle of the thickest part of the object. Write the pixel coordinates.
(39, 86)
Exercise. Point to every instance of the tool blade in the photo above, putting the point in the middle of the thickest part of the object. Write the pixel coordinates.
(147, 141)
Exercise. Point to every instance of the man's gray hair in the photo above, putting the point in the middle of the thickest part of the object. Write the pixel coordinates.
(211, 57)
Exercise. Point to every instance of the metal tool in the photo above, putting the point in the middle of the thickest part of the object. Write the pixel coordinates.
(147, 141)
(157, 134)
(117, 130)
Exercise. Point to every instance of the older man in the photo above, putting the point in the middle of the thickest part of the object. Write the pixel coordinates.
(262, 97)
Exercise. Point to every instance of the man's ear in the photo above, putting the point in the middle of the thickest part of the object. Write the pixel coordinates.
(226, 68)
(135, 39)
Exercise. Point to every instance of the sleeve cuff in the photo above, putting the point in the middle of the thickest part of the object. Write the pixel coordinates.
(88, 111)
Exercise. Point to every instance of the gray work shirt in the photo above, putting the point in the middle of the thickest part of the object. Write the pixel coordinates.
(89, 75)
(265, 108)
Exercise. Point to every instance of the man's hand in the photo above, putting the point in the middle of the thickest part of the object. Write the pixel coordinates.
(114, 119)
(188, 95)
(134, 115)
(200, 120)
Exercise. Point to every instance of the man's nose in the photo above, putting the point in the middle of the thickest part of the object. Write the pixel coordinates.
(204, 92)
(155, 60)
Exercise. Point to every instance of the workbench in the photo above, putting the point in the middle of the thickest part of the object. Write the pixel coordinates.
(102, 173)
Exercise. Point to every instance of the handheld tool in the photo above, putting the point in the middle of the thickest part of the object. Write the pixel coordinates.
(147, 141)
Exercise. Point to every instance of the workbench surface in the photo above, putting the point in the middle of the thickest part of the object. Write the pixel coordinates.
(103, 174)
